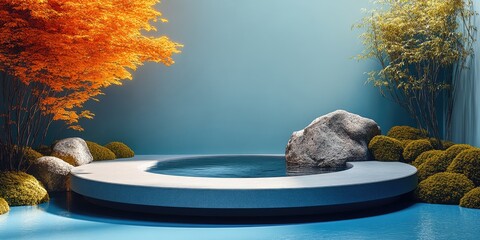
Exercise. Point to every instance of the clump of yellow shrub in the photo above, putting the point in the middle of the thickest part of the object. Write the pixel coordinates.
(385, 148)
(444, 188)
(415, 148)
(19, 188)
(471, 199)
(407, 133)
(4, 208)
(100, 152)
(121, 150)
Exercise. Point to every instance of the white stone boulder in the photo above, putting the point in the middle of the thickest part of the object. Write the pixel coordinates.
(53, 172)
(331, 141)
(76, 148)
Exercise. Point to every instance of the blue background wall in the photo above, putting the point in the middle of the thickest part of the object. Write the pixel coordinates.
(251, 73)
(466, 121)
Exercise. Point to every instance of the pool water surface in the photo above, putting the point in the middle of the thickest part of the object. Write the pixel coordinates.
(68, 216)
(237, 166)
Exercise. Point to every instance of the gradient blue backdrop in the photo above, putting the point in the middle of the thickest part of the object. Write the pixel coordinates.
(251, 73)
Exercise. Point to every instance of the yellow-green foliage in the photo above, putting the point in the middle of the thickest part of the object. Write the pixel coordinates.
(415, 148)
(19, 188)
(100, 152)
(471, 199)
(444, 188)
(447, 144)
(4, 208)
(414, 40)
(120, 150)
(424, 156)
(31, 155)
(405, 143)
(406, 133)
(435, 164)
(66, 158)
(456, 149)
(467, 163)
(441, 145)
(44, 150)
(439, 162)
(385, 148)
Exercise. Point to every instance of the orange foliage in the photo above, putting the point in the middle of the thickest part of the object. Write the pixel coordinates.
(75, 48)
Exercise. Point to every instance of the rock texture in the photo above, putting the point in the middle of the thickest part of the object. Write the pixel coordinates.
(76, 148)
(332, 140)
(53, 172)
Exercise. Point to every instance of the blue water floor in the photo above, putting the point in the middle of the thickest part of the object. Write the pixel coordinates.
(69, 216)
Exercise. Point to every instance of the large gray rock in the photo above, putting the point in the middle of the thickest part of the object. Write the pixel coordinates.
(332, 140)
(76, 148)
(53, 172)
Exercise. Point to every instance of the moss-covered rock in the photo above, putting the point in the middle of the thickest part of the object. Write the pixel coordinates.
(444, 188)
(471, 199)
(4, 208)
(19, 189)
(100, 152)
(120, 150)
(385, 148)
(467, 163)
(415, 148)
(424, 156)
(435, 164)
(407, 133)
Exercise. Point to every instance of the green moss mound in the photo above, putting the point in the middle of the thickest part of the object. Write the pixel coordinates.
(444, 188)
(471, 199)
(19, 189)
(120, 150)
(407, 133)
(447, 144)
(385, 148)
(424, 156)
(31, 155)
(456, 149)
(415, 148)
(405, 143)
(4, 208)
(435, 164)
(436, 144)
(100, 152)
(44, 150)
(66, 158)
(467, 163)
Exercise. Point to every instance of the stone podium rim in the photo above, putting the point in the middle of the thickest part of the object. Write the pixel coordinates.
(126, 182)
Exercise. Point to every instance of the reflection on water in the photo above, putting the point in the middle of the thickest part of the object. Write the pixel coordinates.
(71, 217)
(235, 167)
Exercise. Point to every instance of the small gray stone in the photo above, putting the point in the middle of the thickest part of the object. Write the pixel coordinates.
(332, 140)
(74, 147)
(53, 172)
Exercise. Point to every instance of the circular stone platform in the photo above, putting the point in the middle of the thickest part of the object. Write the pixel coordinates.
(126, 184)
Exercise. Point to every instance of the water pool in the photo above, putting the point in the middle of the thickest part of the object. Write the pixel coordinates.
(68, 216)
(236, 166)
(129, 184)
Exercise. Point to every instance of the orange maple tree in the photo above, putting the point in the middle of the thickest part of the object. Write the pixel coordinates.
(57, 54)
